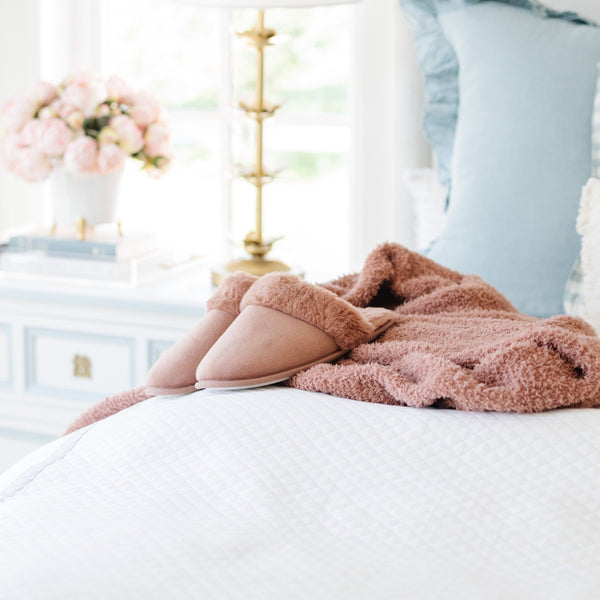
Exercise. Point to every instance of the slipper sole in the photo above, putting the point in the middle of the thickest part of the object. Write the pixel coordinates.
(166, 391)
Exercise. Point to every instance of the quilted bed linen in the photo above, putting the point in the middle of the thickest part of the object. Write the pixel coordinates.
(278, 493)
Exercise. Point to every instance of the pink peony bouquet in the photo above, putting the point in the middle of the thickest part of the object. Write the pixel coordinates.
(86, 126)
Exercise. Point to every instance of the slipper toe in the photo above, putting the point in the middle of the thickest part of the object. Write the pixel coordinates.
(263, 346)
(175, 371)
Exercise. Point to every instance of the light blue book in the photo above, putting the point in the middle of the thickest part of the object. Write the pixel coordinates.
(94, 247)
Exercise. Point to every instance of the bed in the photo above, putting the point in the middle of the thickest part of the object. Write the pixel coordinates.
(279, 493)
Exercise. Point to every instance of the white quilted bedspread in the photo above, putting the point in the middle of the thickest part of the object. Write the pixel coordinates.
(278, 494)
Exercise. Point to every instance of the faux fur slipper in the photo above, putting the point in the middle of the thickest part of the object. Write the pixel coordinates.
(285, 326)
(175, 371)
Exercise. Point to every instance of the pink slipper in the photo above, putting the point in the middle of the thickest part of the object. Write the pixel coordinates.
(285, 326)
(175, 371)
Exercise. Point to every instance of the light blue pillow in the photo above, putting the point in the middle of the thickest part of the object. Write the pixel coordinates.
(510, 88)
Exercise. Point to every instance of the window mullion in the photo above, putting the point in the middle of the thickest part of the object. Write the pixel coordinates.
(374, 110)
(80, 26)
(225, 120)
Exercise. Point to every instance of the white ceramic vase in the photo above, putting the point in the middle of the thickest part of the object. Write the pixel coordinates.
(93, 198)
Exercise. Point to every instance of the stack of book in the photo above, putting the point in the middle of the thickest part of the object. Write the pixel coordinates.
(104, 256)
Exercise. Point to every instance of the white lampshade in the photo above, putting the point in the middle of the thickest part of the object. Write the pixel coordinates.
(267, 3)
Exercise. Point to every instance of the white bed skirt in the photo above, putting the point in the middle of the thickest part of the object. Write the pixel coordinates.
(281, 494)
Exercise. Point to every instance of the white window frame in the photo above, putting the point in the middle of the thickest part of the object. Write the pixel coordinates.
(385, 93)
(388, 138)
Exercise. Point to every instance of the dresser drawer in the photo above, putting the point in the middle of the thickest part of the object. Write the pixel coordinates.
(5, 355)
(63, 362)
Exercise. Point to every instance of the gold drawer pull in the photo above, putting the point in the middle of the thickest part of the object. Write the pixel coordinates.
(82, 366)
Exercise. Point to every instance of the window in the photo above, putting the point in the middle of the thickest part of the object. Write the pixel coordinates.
(346, 75)
(308, 140)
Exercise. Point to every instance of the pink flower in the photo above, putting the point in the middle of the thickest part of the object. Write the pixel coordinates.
(44, 93)
(45, 129)
(10, 145)
(110, 159)
(72, 78)
(46, 112)
(32, 165)
(130, 137)
(62, 109)
(75, 120)
(31, 134)
(55, 137)
(85, 93)
(67, 112)
(156, 140)
(158, 167)
(80, 156)
(119, 91)
(103, 110)
(146, 109)
(107, 135)
(16, 112)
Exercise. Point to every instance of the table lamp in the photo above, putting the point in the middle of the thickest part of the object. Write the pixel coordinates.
(259, 37)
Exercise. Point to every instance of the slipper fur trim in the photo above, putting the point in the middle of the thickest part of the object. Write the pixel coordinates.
(109, 406)
(230, 293)
(312, 304)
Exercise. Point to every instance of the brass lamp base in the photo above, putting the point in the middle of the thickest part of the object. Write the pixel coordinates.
(255, 244)
(254, 266)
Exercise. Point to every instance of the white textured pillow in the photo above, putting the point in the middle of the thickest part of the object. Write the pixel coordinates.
(588, 227)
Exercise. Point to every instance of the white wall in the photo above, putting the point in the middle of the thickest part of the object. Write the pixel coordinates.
(20, 202)
(66, 42)
(388, 96)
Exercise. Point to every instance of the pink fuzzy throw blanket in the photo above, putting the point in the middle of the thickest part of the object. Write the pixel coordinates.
(458, 343)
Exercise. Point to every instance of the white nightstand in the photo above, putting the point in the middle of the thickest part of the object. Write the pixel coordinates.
(64, 347)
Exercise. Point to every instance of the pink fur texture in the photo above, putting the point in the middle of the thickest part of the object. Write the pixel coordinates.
(107, 407)
(458, 344)
(230, 293)
(312, 304)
